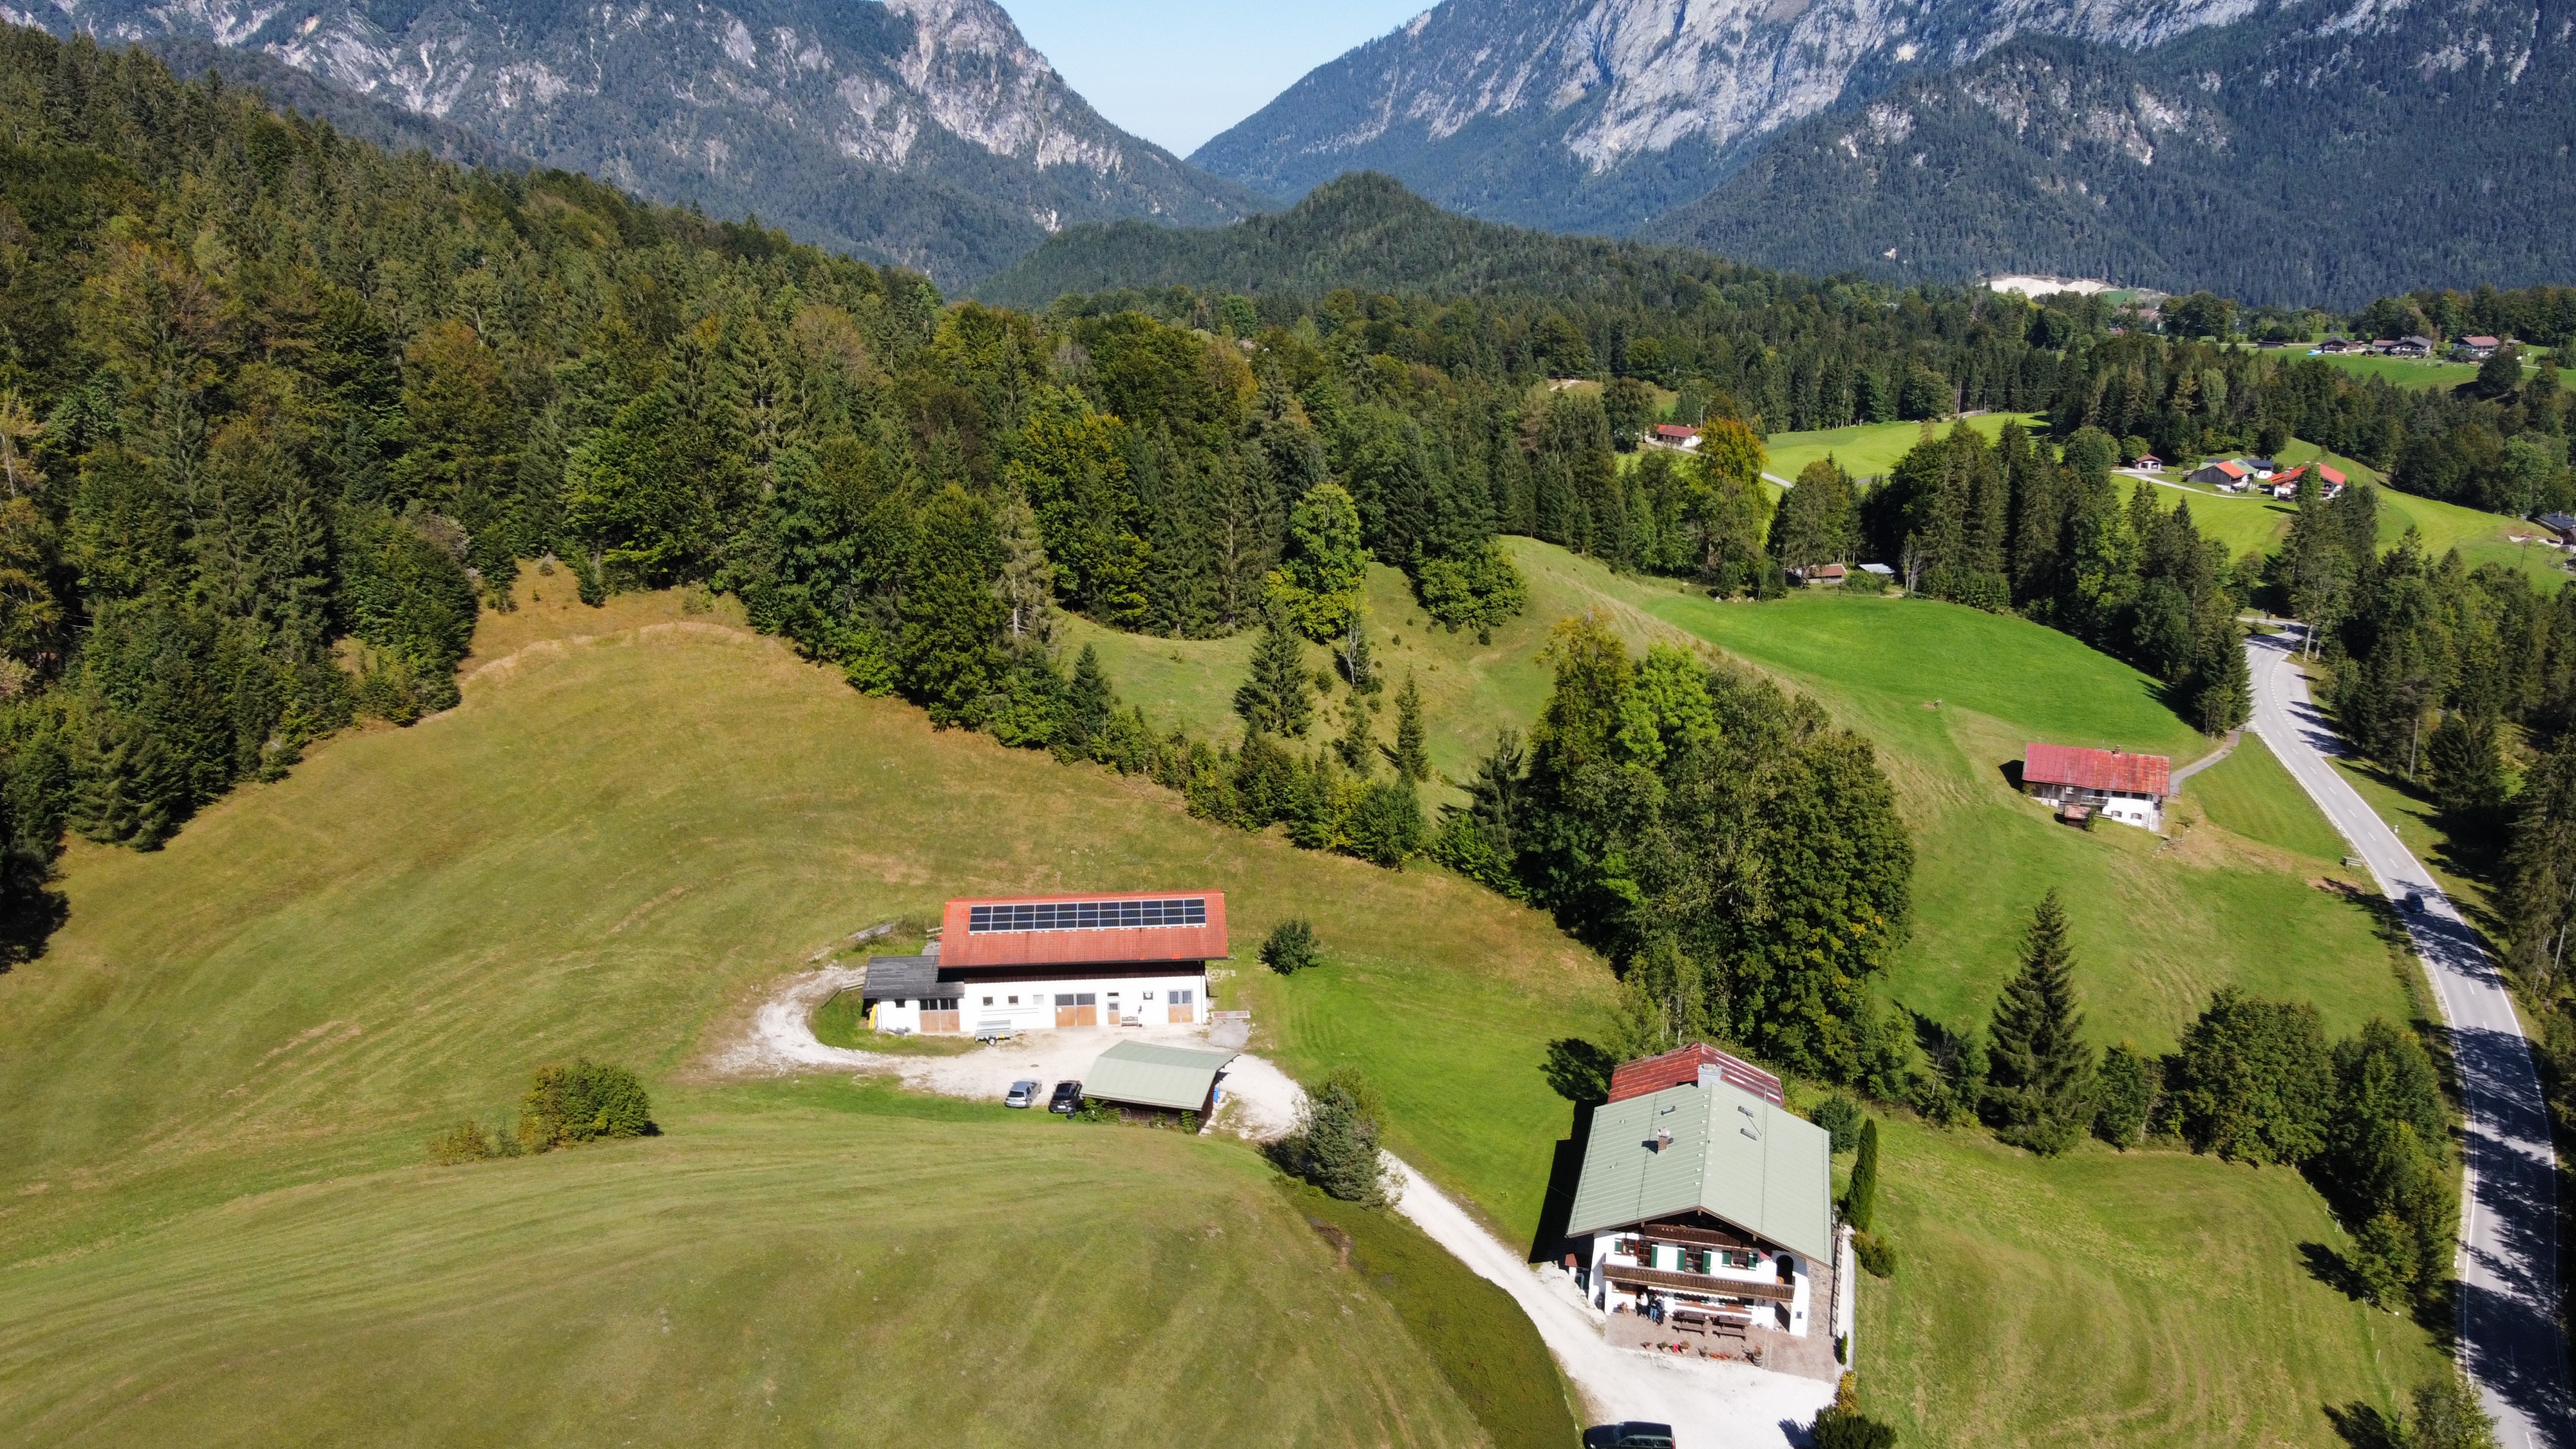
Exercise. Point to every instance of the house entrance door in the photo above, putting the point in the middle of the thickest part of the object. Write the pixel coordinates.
(1113, 1008)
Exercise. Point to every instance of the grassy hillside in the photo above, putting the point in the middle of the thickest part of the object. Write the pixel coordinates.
(238, 1044)
(225, 1069)
(2258, 522)
(1868, 448)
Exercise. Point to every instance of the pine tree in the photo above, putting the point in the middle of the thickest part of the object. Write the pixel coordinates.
(1277, 697)
(2227, 687)
(1412, 758)
(1357, 747)
(2039, 1084)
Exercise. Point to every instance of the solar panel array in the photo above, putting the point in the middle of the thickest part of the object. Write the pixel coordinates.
(1085, 915)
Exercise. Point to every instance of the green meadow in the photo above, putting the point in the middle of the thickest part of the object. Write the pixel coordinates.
(1866, 449)
(641, 818)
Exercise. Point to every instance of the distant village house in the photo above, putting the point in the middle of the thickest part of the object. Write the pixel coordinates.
(2225, 475)
(2286, 485)
(1006, 965)
(1676, 435)
(2108, 784)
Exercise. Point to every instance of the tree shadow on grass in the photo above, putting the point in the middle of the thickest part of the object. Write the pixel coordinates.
(2334, 1270)
(2363, 1426)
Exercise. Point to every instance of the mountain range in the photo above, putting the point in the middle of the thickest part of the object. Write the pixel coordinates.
(2278, 151)
(922, 132)
(2281, 150)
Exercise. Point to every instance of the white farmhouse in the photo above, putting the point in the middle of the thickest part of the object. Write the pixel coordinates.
(1711, 1202)
(1007, 965)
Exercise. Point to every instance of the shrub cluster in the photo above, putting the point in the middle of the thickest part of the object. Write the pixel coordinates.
(565, 1105)
(1290, 948)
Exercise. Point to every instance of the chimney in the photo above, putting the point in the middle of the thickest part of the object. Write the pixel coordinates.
(1663, 1139)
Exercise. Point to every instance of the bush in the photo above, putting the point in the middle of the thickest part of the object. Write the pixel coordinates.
(1840, 1116)
(583, 1102)
(464, 1142)
(1335, 1145)
(1876, 1254)
(1290, 948)
(1843, 1426)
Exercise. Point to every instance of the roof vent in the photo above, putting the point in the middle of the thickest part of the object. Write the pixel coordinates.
(1663, 1138)
(1749, 1132)
(1740, 1107)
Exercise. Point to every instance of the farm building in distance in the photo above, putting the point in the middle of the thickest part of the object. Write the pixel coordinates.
(1676, 435)
(1710, 1200)
(2083, 784)
(1007, 965)
(2221, 474)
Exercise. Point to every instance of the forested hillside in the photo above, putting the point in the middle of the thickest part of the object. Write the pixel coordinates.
(921, 132)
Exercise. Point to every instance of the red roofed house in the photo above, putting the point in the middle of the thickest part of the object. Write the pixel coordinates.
(2285, 484)
(2085, 783)
(2480, 349)
(1689, 1067)
(1676, 435)
(1004, 965)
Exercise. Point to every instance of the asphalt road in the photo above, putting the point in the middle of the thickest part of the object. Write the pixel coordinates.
(2508, 1263)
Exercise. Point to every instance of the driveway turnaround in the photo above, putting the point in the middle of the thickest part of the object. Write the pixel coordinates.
(2508, 1264)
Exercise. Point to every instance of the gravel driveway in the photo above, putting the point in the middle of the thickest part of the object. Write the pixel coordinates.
(1715, 1405)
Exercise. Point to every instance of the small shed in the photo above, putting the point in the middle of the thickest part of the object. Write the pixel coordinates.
(1151, 1077)
(2561, 524)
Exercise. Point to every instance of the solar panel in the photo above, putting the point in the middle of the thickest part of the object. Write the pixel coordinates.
(1085, 915)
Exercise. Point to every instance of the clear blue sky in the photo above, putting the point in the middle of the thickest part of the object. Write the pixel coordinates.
(1176, 72)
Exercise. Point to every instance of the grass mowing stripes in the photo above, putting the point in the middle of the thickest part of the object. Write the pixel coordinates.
(1486, 1347)
(2252, 794)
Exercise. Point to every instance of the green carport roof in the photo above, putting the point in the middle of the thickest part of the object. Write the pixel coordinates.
(1732, 1155)
(1145, 1074)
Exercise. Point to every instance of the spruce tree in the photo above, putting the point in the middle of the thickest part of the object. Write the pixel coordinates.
(1357, 748)
(2227, 686)
(1277, 697)
(1412, 758)
(2039, 1083)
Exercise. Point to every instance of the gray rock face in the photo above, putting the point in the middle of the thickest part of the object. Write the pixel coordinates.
(1617, 109)
(921, 131)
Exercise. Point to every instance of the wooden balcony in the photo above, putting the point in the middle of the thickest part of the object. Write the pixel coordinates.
(1709, 1283)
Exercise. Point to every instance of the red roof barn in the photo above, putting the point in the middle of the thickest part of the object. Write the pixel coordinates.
(2097, 770)
(1689, 1066)
(1083, 930)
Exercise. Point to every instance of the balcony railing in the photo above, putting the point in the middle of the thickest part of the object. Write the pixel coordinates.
(1710, 1283)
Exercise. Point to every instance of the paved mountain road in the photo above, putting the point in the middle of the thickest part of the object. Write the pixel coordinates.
(2508, 1264)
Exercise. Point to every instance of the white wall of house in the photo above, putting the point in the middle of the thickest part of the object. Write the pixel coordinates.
(1032, 1005)
(1609, 1250)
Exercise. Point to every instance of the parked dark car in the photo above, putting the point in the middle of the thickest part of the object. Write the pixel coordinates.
(1023, 1094)
(1068, 1098)
(1633, 1434)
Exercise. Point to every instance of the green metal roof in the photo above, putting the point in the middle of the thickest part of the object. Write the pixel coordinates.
(1733, 1155)
(1145, 1074)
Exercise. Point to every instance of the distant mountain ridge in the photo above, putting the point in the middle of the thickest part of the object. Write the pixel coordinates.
(1364, 231)
(1776, 130)
(924, 132)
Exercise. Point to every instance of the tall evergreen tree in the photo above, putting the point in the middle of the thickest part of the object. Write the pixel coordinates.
(2227, 684)
(1357, 746)
(1412, 755)
(1860, 1197)
(1277, 697)
(2039, 1083)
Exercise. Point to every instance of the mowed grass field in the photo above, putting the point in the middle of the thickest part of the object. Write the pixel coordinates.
(639, 819)
(1866, 449)
(218, 1224)
(2258, 522)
